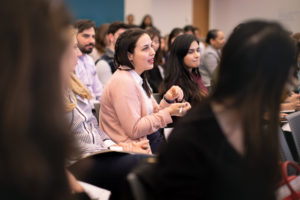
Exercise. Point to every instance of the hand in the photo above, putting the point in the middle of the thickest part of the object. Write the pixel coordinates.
(293, 98)
(174, 93)
(74, 185)
(282, 116)
(179, 109)
(138, 147)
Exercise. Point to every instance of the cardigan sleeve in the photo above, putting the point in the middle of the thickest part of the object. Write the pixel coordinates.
(128, 107)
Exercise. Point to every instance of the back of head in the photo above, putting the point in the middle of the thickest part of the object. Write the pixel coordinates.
(152, 32)
(115, 26)
(32, 131)
(100, 38)
(188, 29)
(174, 33)
(254, 69)
(84, 24)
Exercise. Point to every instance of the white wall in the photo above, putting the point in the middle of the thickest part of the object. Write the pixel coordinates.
(138, 8)
(166, 14)
(226, 14)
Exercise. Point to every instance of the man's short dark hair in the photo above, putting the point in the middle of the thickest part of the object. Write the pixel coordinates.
(84, 24)
(188, 28)
(212, 34)
(115, 26)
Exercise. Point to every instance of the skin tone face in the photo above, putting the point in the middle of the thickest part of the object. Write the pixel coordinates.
(197, 34)
(192, 58)
(86, 40)
(130, 19)
(218, 43)
(148, 21)
(70, 59)
(155, 43)
(143, 55)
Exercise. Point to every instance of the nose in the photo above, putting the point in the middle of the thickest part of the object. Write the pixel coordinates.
(92, 40)
(152, 52)
(196, 54)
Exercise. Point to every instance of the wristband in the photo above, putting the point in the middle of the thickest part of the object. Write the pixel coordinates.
(168, 101)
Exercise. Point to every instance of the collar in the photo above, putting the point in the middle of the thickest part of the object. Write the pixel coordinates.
(110, 53)
(136, 77)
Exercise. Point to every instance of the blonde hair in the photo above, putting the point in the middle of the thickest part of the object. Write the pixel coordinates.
(76, 87)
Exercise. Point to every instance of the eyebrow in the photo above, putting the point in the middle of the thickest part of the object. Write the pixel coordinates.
(146, 45)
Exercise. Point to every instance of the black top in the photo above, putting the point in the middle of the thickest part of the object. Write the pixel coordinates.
(154, 78)
(199, 163)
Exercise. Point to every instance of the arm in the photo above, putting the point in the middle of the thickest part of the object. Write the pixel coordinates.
(97, 86)
(210, 62)
(103, 71)
(127, 104)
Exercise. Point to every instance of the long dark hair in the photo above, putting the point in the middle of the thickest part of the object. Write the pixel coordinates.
(254, 69)
(153, 32)
(176, 73)
(174, 33)
(33, 136)
(143, 25)
(125, 44)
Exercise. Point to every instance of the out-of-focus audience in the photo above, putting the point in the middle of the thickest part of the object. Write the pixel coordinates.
(53, 93)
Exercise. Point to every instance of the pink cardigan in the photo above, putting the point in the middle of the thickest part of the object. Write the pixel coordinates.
(123, 111)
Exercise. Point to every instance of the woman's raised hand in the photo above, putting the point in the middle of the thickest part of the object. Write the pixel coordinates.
(174, 93)
(179, 109)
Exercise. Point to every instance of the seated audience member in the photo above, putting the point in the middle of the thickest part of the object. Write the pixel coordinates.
(101, 41)
(130, 113)
(104, 170)
(188, 29)
(172, 36)
(196, 32)
(211, 55)
(105, 65)
(182, 69)
(155, 75)
(174, 33)
(85, 69)
(130, 19)
(146, 22)
(226, 143)
(35, 141)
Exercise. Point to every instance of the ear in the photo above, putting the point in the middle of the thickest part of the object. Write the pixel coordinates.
(110, 37)
(130, 56)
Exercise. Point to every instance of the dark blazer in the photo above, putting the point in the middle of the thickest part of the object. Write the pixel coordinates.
(154, 78)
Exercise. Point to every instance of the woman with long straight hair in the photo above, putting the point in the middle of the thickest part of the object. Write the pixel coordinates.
(34, 137)
(182, 69)
(227, 147)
